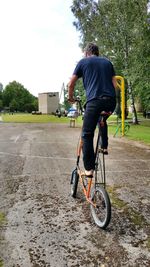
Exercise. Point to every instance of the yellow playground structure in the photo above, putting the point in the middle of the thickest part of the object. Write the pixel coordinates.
(121, 86)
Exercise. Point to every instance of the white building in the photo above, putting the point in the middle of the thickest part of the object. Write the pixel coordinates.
(48, 102)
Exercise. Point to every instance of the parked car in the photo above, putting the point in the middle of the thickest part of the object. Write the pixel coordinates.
(72, 113)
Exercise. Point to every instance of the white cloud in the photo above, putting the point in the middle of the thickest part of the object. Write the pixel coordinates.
(39, 45)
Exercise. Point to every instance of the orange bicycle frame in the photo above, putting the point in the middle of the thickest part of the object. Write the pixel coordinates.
(81, 175)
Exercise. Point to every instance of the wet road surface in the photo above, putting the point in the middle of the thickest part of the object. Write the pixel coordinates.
(44, 226)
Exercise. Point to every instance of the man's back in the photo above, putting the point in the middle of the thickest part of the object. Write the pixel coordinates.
(97, 73)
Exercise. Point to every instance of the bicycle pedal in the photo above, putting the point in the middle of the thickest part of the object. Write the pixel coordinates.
(103, 151)
(100, 150)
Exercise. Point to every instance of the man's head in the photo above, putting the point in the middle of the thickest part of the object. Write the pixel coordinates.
(91, 49)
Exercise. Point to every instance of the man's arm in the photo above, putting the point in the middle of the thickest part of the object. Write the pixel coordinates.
(71, 86)
(114, 81)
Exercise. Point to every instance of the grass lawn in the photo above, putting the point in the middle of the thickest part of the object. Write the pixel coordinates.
(29, 118)
(140, 132)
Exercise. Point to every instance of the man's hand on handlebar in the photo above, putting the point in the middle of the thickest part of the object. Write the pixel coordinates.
(71, 100)
(74, 99)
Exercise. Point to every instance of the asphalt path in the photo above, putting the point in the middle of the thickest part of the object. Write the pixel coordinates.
(45, 226)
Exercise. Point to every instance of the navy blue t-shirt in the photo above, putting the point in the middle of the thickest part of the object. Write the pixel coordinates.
(97, 73)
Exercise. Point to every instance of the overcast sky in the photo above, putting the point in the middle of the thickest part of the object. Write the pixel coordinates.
(38, 44)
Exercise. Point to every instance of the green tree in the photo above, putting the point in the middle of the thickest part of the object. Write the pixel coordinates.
(18, 98)
(141, 66)
(78, 92)
(1, 101)
(66, 103)
(1, 104)
(13, 105)
(35, 103)
(118, 29)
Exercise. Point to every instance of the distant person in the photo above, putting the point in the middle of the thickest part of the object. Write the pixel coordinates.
(99, 83)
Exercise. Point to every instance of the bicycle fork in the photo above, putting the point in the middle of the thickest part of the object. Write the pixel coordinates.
(100, 165)
(79, 151)
(87, 190)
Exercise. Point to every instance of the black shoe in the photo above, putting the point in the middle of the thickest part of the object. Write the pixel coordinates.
(89, 174)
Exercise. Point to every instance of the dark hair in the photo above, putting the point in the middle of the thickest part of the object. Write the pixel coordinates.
(92, 49)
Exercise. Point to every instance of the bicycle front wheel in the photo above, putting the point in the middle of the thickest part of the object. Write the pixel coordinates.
(101, 210)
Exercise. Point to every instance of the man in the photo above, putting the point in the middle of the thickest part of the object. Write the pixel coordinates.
(99, 83)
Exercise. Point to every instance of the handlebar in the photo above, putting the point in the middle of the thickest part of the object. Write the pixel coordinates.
(78, 100)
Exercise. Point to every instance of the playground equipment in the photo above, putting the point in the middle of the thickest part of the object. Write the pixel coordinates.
(121, 86)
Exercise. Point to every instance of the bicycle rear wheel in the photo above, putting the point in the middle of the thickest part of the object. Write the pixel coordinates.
(74, 183)
(101, 210)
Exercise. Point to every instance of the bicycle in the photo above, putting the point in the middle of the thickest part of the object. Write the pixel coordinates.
(94, 188)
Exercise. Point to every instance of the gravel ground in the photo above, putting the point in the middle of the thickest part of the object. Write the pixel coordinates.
(44, 226)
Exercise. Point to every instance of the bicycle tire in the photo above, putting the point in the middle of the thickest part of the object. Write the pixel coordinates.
(100, 168)
(102, 212)
(74, 183)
